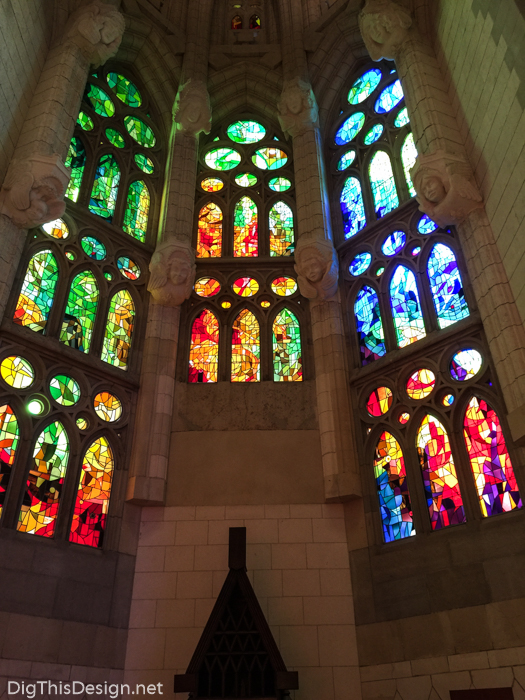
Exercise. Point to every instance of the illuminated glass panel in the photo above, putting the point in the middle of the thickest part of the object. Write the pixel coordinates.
(92, 502)
(350, 128)
(76, 160)
(137, 210)
(465, 364)
(140, 131)
(426, 225)
(237, 22)
(246, 180)
(45, 482)
(446, 286)
(245, 286)
(364, 86)
(380, 401)
(369, 326)
(404, 418)
(448, 400)
(373, 135)
(284, 286)
(82, 423)
(246, 132)
(105, 188)
(204, 352)
(406, 310)
(402, 118)
(383, 184)
(128, 268)
(245, 242)
(17, 372)
(212, 184)
(56, 229)
(360, 264)
(222, 159)
(124, 89)
(93, 248)
(38, 290)
(85, 122)
(394, 243)
(255, 22)
(392, 489)
(346, 160)
(421, 384)
(408, 158)
(81, 309)
(119, 330)
(489, 458)
(352, 207)
(107, 406)
(279, 184)
(286, 339)
(144, 163)
(269, 158)
(99, 100)
(207, 287)
(115, 138)
(445, 504)
(9, 437)
(209, 238)
(246, 348)
(280, 220)
(64, 390)
(389, 98)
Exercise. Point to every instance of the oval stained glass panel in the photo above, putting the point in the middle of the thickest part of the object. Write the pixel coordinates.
(64, 390)
(207, 287)
(448, 400)
(402, 118)
(383, 184)
(360, 264)
(93, 248)
(394, 243)
(404, 418)
(284, 286)
(380, 401)
(245, 286)
(56, 229)
(346, 160)
(364, 86)
(140, 131)
(212, 184)
(222, 159)
(389, 98)
(17, 372)
(279, 184)
(426, 225)
(144, 163)
(107, 406)
(421, 384)
(85, 122)
(246, 132)
(465, 364)
(373, 134)
(269, 158)
(350, 128)
(124, 89)
(82, 423)
(128, 268)
(246, 180)
(99, 100)
(115, 138)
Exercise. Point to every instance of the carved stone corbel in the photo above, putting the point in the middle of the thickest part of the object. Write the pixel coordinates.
(317, 268)
(384, 27)
(172, 270)
(33, 190)
(97, 28)
(298, 111)
(445, 187)
(192, 108)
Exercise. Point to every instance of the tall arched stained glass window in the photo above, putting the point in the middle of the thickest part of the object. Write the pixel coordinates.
(383, 184)
(446, 286)
(489, 459)
(81, 309)
(281, 230)
(209, 239)
(392, 489)
(245, 229)
(119, 330)
(38, 291)
(76, 160)
(45, 482)
(105, 188)
(408, 158)
(9, 437)
(352, 207)
(286, 339)
(246, 348)
(94, 489)
(137, 210)
(204, 350)
(406, 309)
(369, 325)
(445, 504)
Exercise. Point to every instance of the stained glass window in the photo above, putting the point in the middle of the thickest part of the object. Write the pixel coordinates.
(446, 285)
(406, 310)
(85, 122)
(402, 118)
(207, 287)
(99, 100)
(350, 128)
(56, 229)
(212, 184)
(93, 248)
(421, 384)
(281, 230)
(269, 158)
(17, 372)
(81, 309)
(245, 180)
(389, 98)
(373, 135)
(489, 458)
(128, 268)
(222, 159)
(279, 184)
(380, 401)
(364, 86)
(246, 132)
(64, 390)
(137, 209)
(245, 241)
(38, 291)
(284, 286)
(9, 436)
(465, 364)
(119, 330)
(45, 482)
(245, 286)
(445, 504)
(94, 489)
(107, 406)
(369, 325)
(204, 352)
(124, 89)
(255, 22)
(115, 138)
(408, 158)
(394, 243)
(352, 207)
(237, 22)
(144, 163)
(105, 188)
(76, 160)
(360, 264)
(426, 225)
(246, 350)
(383, 184)
(287, 364)
(392, 489)
(140, 131)
(346, 160)
(209, 240)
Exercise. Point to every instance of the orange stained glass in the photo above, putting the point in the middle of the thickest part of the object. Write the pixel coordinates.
(246, 348)
(207, 287)
(404, 418)
(245, 244)
(204, 351)
(237, 22)
(380, 401)
(226, 304)
(246, 286)
(421, 384)
(284, 286)
(209, 240)
(212, 184)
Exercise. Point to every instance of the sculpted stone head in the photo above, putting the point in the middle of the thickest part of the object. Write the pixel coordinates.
(101, 26)
(384, 27)
(298, 109)
(316, 267)
(192, 110)
(172, 270)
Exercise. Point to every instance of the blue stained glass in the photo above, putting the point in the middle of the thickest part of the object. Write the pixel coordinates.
(394, 243)
(402, 118)
(346, 160)
(364, 86)
(360, 264)
(389, 98)
(383, 184)
(447, 288)
(352, 207)
(373, 134)
(369, 326)
(350, 128)
(426, 225)
(406, 309)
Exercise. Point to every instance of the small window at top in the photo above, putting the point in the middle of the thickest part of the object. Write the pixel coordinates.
(237, 22)
(255, 22)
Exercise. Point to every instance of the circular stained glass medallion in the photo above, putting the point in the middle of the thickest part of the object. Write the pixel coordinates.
(124, 89)
(144, 163)
(140, 131)
(380, 271)
(70, 255)
(360, 264)
(246, 180)
(404, 418)
(346, 160)
(115, 138)
(128, 268)
(284, 286)
(266, 304)
(269, 158)
(212, 184)
(380, 401)
(364, 86)
(56, 229)
(421, 384)
(350, 128)
(426, 225)
(222, 159)
(245, 286)
(448, 400)
(207, 287)
(36, 406)
(108, 276)
(107, 406)
(415, 251)
(373, 135)
(93, 248)
(394, 243)
(64, 390)
(226, 304)
(279, 184)
(17, 372)
(82, 423)
(465, 364)
(389, 98)
(246, 132)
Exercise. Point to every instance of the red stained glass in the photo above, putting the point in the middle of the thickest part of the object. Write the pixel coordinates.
(209, 240)
(421, 384)
(245, 229)
(246, 348)
(392, 489)
(237, 22)
(204, 348)
(380, 401)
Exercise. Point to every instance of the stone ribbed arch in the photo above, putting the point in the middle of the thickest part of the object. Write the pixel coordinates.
(244, 86)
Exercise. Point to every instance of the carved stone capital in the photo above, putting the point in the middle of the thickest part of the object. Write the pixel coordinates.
(384, 27)
(445, 187)
(33, 190)
(298, 109)
(172, 270)
(98, 29)
(317, 267)
(192, 109)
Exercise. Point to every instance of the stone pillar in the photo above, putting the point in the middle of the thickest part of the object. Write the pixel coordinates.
(33, 191)
(447, 192)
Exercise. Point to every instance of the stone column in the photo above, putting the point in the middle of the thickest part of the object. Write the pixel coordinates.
(33, 191)
(447, 192)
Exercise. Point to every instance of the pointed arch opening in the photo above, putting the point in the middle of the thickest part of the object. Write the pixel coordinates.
(352, 207)
(246, 348)
(9, 437)
(446, 286)
(280, 220)
(237, 22)
(204, 349)
(137, 210)
(383, 184)
(80, 313)
(286, 345)
(245, 229)
(119, 330)
(369, 325)
(209, 236)
(105, 188)
(392, 489)
(38, 292)
(406, 309)
(255, 22)
(408, 159)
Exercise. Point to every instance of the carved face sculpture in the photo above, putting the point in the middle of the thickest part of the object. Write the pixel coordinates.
(433, 189)
(294, 100)
(384, 30)
(312, 266)
(110, 28)
(179, 269)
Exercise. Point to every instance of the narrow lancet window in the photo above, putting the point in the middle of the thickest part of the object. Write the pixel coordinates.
(105, 188)
(81, 309)
(137, 210)
(383, 184)
(281, 226)
(406, 309)
(245, 237)
(204, 351)
(119, 330)
(446, 285)
(392, 489)
(352, 207)
(408, 158)
(287, 363)
(209, 237)
(246, 348)
(76, 160)
(38, 291)
(369, 325)
(9, 436)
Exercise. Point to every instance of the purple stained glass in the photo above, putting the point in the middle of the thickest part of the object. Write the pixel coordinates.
(394, 243)
(369, 326)
(426, 225)
(447, 288)
(352, 207)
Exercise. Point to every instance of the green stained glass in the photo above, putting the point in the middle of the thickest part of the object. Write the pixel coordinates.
(17, 372)
(137, 209)
(70, 255)
(140, 131)
(222, 159)
(82, 423)
(81, 309)
(246, 180)
(144, 163)
(119, 330)
(402, 118)
(108, 276)
(93, 248)
(364, 86)
(64, 390)
(85, 121)
(128, 268)
(99, 100)
(287, 364)
(105, 188)
(76, 160)
(115, 138)
(279, 184)
(346, 160)
(38, 291)
(280, 221)
(124, 89)
(269, 158)
(374, 133)
(246, 132)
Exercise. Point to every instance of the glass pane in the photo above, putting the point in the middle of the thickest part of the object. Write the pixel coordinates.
(57, 229)
(364, 86)
(81, 309)
(144, 163)
(246, 132)
(207, 287)
(287, 362)
(119, 330)
(426, 225)
(394, 243)
(280, 220)
(128, 268)
(465, 364)
(380, 401)
(64, 390)
(93, 248)
(38, 290)
(137, 210)
(9, 436)
(85, 122)
(406, 311)
(269, 158)
(389, 98)
(346, 160)
(245, 180)
(408, 158)
(105, 188)
(245, 286)
(17, 372)
(279, 184)
(284, 286)
(402, 118)
(246, 350)
(204, 352)
(115, 138)
(352, 207)
(212, 184)
(373, 135)
(107, 406)
(369, 326)
(222, 159)
(446, 285)
(360, 264)
(140, 131)
(99, 100)
(421, 384)
(383, 184)
(209, 240)
(350, 128)
(245, 242)
(76, 160)
(125, 90)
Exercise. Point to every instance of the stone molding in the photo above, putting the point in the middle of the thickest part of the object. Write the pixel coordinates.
(172, 270)
(192, 108)
(298, 111)
(317, 268)
(384, 27)
(97, 28)
(445, 187)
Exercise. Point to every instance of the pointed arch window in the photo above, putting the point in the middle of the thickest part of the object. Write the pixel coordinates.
(392, 489)
(76, 160)
(446, 286)
(209, 241)
(246, 348)
(245, 229)
(9, 437)
(281, 230)
(105, 188)
(406, 308)
(137, 210)
(352, 207)
(204, 351)
(369, 325)
(286, 338)
(383, 184)
(81, 309)
(237, 22)
(119, 330)
(38, 291)
(255, 22)
(408, 159)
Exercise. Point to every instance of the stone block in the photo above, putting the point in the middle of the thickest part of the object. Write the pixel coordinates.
(72, 602)
(337, 645)
(414, 688)
(155, 585)
(181, 558)
(268, 583)
(417, 640)
(379, 643)
(77, 644)
(276, 512)
(299, 646)
(493, 678)
(203, 608)
(219, 530)
(145, 649)
(211, 557)
(30, 638)
(506, 622)
(156, 534)
(180, 645)
(210, 512)
(347, 683)
(379, 690)
(244, 512)
(110, 647)
(259, 556)
(142, 613)
(506, 657)
(179, 513)
(426, 667)
(150, 559)
(335, 582)
(328, 610)
(330, 555)
(293, 530)
(300, 511)
(191, 532)
(443, 683)
(194, 584)
(285, 611)
(288, 556)
(262, 531)
(329, 530)
(175, 613)
(301, 582)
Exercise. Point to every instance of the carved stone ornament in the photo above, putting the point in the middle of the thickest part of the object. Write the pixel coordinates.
(33, 191)
(298, 109)
(99, 27)
(445, 188)
(192, 109)
(384, 27)
(317, 268)
(172, 270)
